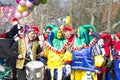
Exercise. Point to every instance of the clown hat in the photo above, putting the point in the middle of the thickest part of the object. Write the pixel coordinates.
(107, 39)
(49, 27)
(68, 28)
(36, 29)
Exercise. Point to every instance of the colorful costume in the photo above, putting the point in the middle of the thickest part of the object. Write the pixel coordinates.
(106, 47)
(57, 55)
(84, 51)
(28, 47)
(117, 58)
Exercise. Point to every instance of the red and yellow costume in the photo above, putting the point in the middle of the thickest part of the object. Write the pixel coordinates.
(57, 55)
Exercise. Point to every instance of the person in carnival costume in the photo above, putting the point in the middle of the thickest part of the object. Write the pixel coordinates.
(27, 48)
(86, 54)
(116, 57)
(14, 31)
(58, 58)
(48, 28)
(106, 47)
(12, 34)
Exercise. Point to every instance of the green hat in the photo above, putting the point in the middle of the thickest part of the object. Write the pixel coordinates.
(59, 45)
(51, 26)
(84, 40)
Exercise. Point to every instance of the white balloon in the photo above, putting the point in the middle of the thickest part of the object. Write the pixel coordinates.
(29, 4)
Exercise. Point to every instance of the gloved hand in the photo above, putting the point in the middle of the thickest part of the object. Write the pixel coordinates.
(2, 69)
(97, 71)
(68, 69)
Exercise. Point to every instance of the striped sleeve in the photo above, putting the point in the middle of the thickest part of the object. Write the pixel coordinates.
(96, 50)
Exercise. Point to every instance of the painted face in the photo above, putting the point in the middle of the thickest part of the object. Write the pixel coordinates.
(59, 34)
(32, 35)
(68, 34)
(101, 42)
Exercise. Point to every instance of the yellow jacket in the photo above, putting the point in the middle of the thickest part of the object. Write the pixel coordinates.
(22, 50)
(57, 59)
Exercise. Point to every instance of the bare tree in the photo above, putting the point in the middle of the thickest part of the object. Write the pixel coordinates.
(109, 16)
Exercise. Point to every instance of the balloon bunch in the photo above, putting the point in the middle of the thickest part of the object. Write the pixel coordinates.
(25, 7)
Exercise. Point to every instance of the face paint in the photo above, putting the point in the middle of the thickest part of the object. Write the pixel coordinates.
(101, 42)
(68, 34)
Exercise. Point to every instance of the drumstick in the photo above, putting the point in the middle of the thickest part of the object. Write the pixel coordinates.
(27, 59)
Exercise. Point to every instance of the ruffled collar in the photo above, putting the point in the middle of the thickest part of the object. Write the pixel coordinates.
(57, 48)
(77, 45)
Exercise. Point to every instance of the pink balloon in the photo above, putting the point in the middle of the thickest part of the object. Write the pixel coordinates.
(22, 3)
(17, 1)
(25, 13)
(29, 4)
(18, 15)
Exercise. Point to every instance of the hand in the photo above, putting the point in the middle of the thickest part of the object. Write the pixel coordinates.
(97, 71)
(41, 54)
(2, 69)
(20, 56)
(68, 69)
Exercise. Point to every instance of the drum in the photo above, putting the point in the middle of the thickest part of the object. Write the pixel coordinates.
(35, 70)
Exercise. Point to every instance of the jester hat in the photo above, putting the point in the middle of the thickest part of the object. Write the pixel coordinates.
(84, 39)
(118, 35)
(117, 46)
(107, 39)
(55, 44)
(107, 43)
(49, 27)
(68, 28)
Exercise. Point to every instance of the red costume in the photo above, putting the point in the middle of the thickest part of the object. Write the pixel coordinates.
(106, 50)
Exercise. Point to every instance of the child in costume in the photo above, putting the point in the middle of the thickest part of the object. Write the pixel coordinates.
(43, 37)
(58, 58)
(85, 54)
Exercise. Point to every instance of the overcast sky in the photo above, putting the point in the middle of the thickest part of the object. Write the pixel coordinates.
(8, 1)
(13, 1)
